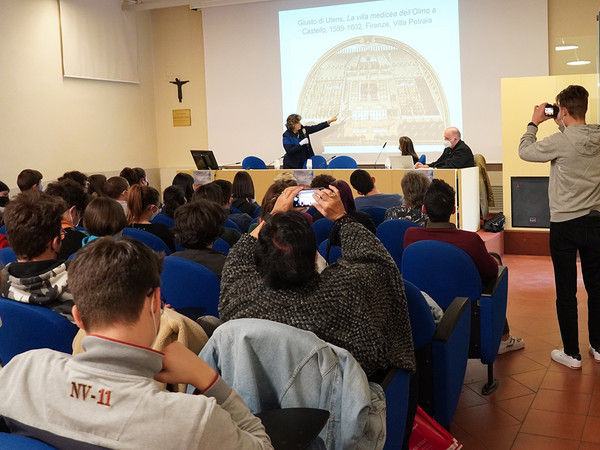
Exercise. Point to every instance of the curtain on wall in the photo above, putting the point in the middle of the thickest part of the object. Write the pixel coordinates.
(99, 40)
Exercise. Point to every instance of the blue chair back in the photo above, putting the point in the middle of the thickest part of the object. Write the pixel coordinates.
(396, 400)
(422, 159)
(27, 327)
(257, 212)
(18, 442)
(318, 162)
(343, 162)
(152, 241)
(186, 284)
(377, 213)
(235, 210)
(7, 255)
(253, 162)
(163, 218)
(231, 224)
(222, 246)
(391, 234)
(3, 229)
(322, 228)
(335, 252)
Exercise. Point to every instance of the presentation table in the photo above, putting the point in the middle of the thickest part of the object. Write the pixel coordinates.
(464, 181)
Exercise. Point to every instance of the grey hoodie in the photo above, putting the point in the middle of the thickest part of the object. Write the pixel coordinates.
(574, 155)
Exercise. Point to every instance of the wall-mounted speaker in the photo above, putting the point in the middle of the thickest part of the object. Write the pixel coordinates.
(530, 207)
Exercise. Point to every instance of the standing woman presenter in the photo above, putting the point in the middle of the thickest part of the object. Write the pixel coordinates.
(296, 141)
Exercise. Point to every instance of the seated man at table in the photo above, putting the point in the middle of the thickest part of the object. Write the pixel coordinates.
(108, 396)
(438, 204)
(33, 228)
(369, 195)
(456, 155)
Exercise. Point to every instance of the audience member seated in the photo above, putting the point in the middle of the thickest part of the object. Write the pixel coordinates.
(197, 226)
(357, 303)
(4, 199)
(186, 182)
(243, 193)
(78, 177)
(29, 179)
(348, 202)
(322, 181)
(107, 396)
(143, 204)
(76, 199)
(438, 204)
(287, 178)
(103, 217)
(370, 196)
(33, 227)
(133, 176)
(414, 185)
(96, 187)
(173, 198)
(241, 220)
(406, 147)
(214, 193)
(117, 188)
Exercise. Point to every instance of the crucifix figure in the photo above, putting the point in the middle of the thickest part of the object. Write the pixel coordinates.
(179, 83)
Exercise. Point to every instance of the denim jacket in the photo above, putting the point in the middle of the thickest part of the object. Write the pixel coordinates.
(272, 365)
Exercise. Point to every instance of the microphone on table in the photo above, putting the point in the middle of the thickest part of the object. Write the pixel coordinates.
(377, 159)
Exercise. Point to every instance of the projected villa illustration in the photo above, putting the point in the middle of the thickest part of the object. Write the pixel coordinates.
(384, 89)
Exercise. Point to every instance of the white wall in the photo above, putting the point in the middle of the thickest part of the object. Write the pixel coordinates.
(55, 124)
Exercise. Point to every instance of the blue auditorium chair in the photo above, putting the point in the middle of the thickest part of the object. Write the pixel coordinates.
(342, 162)
(377, 213)
(253, 162)
(152, 241)
(441, 351)
(18, 442)
(163, 218)
(7, 255)
(231, 224)
(222, 246)
(335, 252)
(322, 228)
(187, 284)
(391, 234)
(318, 162)
(445, 272)
(27, 327)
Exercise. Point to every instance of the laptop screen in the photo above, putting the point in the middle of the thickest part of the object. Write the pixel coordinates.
(204, 159)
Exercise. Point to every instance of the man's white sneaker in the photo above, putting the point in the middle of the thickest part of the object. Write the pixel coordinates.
(511, 344)
(595, 354)
(572, 362)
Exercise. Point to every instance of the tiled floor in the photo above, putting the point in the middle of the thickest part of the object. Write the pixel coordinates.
(539, 404)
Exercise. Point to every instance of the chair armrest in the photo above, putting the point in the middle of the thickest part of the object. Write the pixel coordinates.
(451, 317)
(490, 287)
(383, 377)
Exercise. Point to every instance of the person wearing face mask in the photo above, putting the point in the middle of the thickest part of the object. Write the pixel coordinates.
(296, 141)
(143, 204)
(574, 193)
(4, 191)
(33, 227)
(456, 155)
(76, 200)
(108, 395)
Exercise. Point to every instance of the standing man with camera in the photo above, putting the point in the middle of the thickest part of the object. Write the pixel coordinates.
(574, 193)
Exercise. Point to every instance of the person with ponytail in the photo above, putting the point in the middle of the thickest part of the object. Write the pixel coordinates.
(143, 204)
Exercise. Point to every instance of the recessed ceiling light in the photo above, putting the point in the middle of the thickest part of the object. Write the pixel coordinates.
(579, 62)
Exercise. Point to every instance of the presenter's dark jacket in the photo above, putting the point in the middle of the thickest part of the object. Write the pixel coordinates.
(296, 154)
(458, 157)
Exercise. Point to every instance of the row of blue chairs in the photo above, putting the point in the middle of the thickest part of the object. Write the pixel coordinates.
(318, 162)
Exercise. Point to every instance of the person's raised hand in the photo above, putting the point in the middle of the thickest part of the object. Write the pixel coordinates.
(539, 115)
(285, 201)
(333, 119)
(329, 203)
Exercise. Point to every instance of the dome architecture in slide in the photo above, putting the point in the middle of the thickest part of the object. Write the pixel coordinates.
(384, 89)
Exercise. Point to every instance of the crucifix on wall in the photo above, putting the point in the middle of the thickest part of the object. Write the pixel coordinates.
(179, 83)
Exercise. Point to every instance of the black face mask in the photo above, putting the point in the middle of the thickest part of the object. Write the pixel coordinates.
(3, 201)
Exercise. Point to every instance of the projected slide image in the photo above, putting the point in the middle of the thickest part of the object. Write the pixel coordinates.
(382, 88)
(389, 68)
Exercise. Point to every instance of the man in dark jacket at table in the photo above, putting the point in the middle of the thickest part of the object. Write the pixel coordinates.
(456, 155)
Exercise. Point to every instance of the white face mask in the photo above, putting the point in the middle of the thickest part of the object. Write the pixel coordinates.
(447, 144)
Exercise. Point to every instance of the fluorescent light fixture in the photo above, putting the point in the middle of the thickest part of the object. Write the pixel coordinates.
(560, 48)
